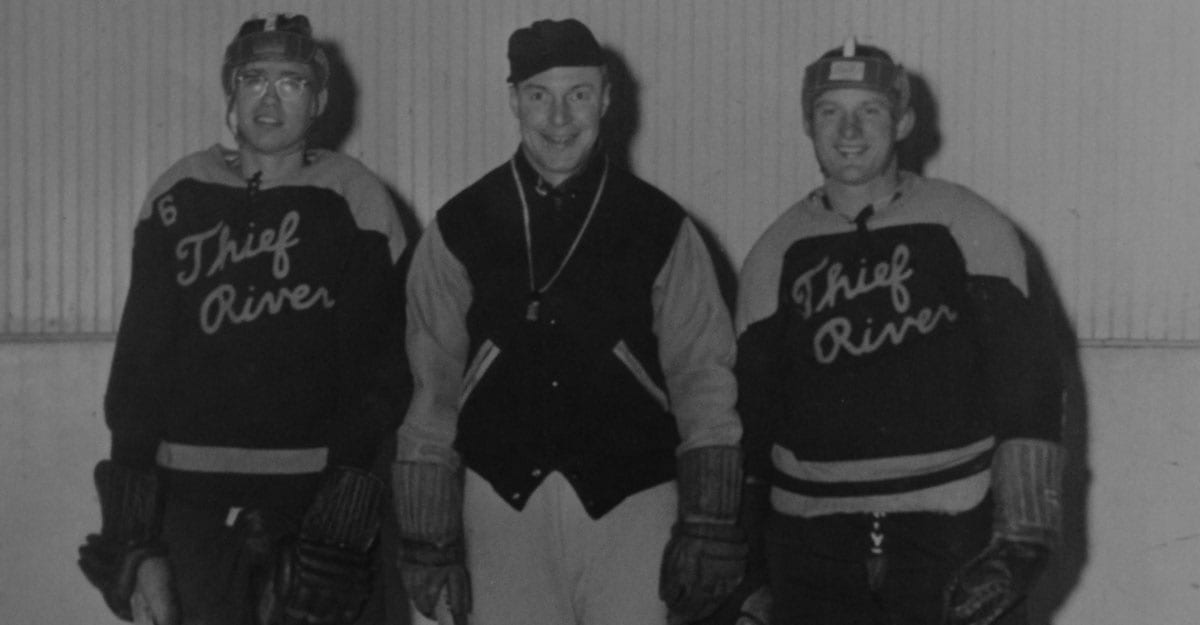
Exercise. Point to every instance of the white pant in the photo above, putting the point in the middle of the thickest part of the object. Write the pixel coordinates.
(552, 564)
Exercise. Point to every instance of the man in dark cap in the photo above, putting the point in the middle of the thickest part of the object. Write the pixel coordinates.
(899, 392)
(256, 368)
(571, 454)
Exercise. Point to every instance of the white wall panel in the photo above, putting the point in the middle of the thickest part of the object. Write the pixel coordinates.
(1077, 117)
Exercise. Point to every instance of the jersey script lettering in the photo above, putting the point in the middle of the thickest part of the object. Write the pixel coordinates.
(838, 334)
(209, 252)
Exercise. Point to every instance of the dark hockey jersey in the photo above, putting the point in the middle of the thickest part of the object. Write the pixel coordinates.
(260, 337)
(873, 355)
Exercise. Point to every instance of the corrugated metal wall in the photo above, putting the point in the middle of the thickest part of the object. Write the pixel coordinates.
(1078, 117)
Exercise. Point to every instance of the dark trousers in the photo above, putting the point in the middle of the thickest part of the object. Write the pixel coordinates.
(219, 569)
(862, 569)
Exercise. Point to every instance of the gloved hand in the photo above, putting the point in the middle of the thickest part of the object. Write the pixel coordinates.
(702, 565)
(318, 585)
(432, 559)
(705, 558)
(993, 582)
(323, 577)
(1027, 522)
(430, 573)
(130, 510)
(750, 603)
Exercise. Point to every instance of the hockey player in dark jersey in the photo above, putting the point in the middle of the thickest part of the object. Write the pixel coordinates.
(256, 367)
(899, 395)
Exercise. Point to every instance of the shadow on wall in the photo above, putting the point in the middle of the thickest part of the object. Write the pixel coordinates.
(388, 604)
(617, 133)
(620, 124)
(1066, 567)
(926, 139)
(334, 126)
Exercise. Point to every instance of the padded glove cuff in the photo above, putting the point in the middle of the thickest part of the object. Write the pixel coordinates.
(1027, 483)
(345, 511)
(429, 502)
(710, 484)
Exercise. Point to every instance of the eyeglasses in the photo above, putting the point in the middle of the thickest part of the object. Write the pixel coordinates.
(286, 87)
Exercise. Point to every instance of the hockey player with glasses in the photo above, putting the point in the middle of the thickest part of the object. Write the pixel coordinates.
(256, 369)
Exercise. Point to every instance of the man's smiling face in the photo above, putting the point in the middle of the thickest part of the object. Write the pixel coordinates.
(559, 113)
(854, 133)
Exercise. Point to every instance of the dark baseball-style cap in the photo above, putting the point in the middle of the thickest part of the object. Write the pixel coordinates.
(549, 43)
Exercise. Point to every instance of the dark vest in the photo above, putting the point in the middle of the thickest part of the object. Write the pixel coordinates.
(564, 392)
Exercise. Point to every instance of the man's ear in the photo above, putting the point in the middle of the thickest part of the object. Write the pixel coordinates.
(808, 128)
(513, 100)
(906, 123)
(321, 101)
(605, 98)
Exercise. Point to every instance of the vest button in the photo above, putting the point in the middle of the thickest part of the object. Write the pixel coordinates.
(536, 473)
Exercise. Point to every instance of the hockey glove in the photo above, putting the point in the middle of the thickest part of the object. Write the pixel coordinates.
(750, 602)
(131, 521)
(324, 576)
(705, 559)
(993, 582)
(428, 500)
(1026, 481)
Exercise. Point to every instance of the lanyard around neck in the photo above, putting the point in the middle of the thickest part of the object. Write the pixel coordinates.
(535, 292)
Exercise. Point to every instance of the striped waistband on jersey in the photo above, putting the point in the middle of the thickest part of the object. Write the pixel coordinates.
(206, 459)
(949, 481)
